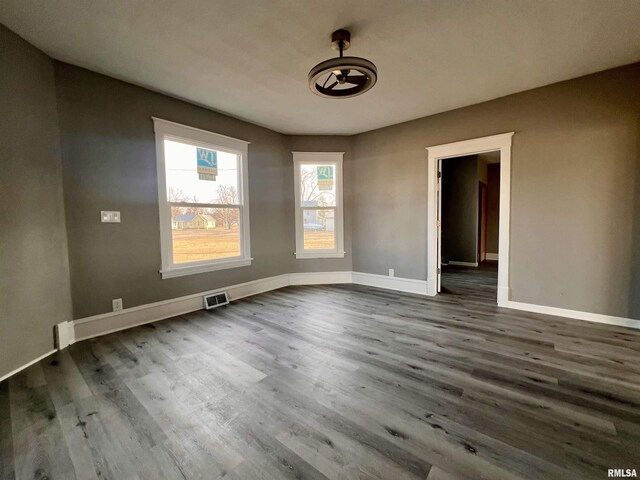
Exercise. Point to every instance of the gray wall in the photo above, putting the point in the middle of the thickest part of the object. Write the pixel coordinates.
(575, 239)
(634, 287)
(109, 163)
(460, 177)
(575, 158)
(304, 143)
(34, 269)
(493, 207)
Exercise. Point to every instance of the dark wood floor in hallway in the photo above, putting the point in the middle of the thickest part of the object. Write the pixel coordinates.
(338, 382)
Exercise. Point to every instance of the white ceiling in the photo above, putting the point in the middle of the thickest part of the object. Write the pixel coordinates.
(250, 59)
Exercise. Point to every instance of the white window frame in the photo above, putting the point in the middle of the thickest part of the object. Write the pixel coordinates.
(322, 158)
(165, 129)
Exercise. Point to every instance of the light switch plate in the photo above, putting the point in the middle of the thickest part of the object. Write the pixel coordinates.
(109, 216)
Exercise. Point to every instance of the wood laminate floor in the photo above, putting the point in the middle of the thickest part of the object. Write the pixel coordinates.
(339, 382)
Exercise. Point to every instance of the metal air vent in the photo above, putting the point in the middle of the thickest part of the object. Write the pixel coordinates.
(215, 300)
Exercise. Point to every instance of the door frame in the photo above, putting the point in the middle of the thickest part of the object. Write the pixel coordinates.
(501, 142)
(482, 223)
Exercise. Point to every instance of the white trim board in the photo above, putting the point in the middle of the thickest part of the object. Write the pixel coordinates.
(98, 325)
(65, 335)
(26, 365)
(103, 324)
(463, 264)
(501, 142)
(575, 314)
(319, 158)
(110, 322)
(166, 130)
(407, 285)
(320, 278)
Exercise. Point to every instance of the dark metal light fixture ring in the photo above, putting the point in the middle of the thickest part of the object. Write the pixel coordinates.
(344, 77)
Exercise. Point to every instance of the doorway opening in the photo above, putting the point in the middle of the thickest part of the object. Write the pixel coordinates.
(468, 196)
(495, 146)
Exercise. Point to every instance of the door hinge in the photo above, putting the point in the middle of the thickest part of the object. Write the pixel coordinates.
(438, 223)
(439, 270)
(439, 174)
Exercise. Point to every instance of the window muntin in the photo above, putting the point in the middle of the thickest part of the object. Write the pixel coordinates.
(203, 200)
(318, 177)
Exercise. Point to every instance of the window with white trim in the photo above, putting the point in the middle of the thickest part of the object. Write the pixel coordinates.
(318, 203)
(203, 198)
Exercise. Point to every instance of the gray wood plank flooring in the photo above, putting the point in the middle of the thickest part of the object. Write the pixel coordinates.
(337, 382)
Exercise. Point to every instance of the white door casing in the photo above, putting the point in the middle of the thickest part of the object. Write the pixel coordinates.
(501, 143)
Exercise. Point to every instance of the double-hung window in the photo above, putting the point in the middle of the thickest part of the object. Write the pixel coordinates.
(203, 198)
(318, 203)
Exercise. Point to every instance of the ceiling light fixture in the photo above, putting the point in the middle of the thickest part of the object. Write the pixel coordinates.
(342, 77)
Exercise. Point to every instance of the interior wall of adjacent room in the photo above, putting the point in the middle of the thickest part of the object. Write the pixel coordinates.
(634, 286)
(328, 143)
(493, 207)
(574, 159)
(34, 269)
(459, 212)
(109, 163)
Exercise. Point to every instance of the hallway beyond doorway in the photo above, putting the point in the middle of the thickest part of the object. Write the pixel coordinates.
(480, 282)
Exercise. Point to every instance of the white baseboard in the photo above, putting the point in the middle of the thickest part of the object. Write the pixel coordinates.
(320, 278)
(576, 314)
(463, 264)
(65, 335)
(26, 365)
(504, 293)
(89, 327)
(491, 256)
(391, 283)
(110, 322)
(130, 317)
(105, 323)
(97, 325)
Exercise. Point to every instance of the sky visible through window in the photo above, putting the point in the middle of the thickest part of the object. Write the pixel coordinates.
(182, 175)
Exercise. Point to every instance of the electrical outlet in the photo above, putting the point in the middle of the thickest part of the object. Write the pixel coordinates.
(392, 272)
(109, 216)
(117, 304)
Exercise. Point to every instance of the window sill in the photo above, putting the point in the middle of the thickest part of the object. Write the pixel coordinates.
(212, 267)
(305, 255)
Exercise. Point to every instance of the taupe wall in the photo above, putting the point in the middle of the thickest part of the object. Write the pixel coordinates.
(575, 157)
(493, 207)
(460, 177)
(109, 163)
(305, 143)
(34, 270)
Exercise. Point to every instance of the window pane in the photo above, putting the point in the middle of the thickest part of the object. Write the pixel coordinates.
(319, 229)
(204, 233)
(318, 185)
(200, 175)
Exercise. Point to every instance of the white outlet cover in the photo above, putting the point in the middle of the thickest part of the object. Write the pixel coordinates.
(116, 303)
(392, 272)
(107, 216)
